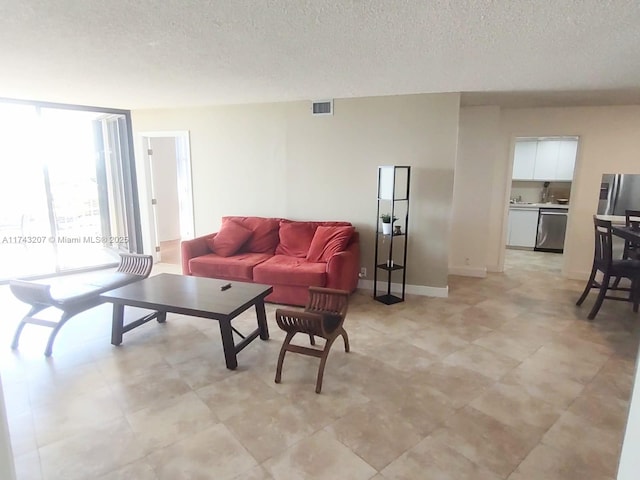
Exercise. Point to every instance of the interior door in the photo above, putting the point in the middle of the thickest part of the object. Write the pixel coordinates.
(157, 254)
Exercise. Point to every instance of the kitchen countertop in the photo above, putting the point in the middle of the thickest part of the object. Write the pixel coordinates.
(537, 205)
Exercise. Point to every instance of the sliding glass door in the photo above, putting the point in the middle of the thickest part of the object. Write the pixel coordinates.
(24, 213)
(66, 189)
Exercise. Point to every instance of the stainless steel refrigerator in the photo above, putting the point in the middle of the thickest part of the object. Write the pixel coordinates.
(619, 192)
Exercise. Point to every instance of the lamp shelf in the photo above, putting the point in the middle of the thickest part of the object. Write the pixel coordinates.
(389, 299)
(391, 268)
(393, 203)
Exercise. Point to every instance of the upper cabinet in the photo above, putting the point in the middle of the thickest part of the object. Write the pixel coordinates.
(525, 159)
(545, 159)
(566, 159)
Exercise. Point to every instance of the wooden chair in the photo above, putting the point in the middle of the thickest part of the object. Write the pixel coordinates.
(611, 269)
(72, 296)
(322, 317)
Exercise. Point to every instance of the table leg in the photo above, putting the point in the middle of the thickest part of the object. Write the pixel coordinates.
(117, 324)
(228, 346)
(162, 317)
(262, 320)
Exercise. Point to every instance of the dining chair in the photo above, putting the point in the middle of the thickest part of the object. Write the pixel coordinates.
(322, 317)
(611, 269)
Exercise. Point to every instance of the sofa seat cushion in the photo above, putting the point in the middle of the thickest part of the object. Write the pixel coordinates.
(238, 267)
(283, 270)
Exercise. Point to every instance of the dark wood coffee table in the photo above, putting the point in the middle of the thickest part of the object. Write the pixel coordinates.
(194, 296)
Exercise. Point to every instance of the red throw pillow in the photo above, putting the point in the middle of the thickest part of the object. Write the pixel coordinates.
(295, 238)
(328, 241)
(229, 239)
(209, 241)
(265, 233)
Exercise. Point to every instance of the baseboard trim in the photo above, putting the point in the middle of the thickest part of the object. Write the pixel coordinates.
(440, 292)
(468, 271)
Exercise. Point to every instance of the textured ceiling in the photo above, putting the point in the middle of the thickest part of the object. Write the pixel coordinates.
(150, 53)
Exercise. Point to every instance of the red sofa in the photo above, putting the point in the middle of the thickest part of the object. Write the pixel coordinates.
(290, 255)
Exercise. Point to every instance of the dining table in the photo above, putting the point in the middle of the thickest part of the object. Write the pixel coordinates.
(629, 233)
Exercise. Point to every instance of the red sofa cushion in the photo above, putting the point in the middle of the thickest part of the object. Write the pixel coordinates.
(283, 270)
(229, 239)
(295, 238)
(265, 233)
(237, 267)
(328, 241)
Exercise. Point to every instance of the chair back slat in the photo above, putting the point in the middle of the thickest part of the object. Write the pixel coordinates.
(631, 216)
(289, 323)
(603, 241)
(135, 264)
(328, 302)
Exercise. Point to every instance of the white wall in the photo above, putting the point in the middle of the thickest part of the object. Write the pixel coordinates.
(477, 152)
(609, 143)
(276, 160)
(237, 158)
(7, 471)
(165, 185)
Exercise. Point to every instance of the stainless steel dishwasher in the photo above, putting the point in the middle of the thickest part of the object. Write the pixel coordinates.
(552, 225)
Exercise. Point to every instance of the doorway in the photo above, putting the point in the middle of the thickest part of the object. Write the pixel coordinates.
(539, 193)
(169, 193)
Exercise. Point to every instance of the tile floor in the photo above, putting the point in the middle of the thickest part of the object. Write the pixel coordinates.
(505, 379)
(170, 251)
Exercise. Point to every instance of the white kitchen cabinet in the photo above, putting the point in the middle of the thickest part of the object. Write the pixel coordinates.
(566, 160)
(522, 227)
(546, 160)
(524, 159)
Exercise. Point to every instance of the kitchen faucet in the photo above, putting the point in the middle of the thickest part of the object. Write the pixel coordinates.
(544, 193)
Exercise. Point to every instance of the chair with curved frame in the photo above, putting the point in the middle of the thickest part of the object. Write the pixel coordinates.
(322, 317)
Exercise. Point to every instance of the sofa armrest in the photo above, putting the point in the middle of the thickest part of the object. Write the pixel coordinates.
(343, 269)
(193, 248)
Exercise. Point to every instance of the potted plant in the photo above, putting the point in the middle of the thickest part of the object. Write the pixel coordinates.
(386, 223)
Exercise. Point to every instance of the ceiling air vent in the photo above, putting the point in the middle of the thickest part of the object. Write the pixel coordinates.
(322, 107)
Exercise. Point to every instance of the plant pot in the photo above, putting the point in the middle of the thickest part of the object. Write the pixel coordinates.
(386, 228)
